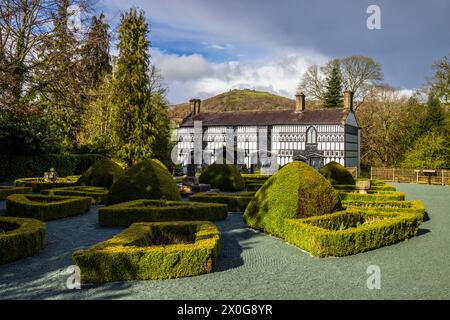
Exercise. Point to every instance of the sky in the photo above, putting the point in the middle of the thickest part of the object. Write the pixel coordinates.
(206, 47)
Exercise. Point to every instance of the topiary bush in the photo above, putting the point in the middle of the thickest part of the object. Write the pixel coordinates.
(296, 191)
(337, 174)
(224, 177)
(46, 208)
(372, 196)
(387, 206)
(20, 238)
(351, 232)
(125, 214)
(97, 194)
(145, 180)
(102, 174)
(7, 191)
(152, 251)
(38, 184)
(236, 202)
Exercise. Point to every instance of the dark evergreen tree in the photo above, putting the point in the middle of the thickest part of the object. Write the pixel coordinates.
(141, 116)
(95, 57)
(333, 94)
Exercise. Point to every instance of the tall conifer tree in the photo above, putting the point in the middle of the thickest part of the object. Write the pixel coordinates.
(333, 94)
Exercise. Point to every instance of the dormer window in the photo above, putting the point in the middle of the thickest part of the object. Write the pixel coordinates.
(311, 136)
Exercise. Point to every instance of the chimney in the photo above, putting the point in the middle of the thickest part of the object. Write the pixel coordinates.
(348, 100)
(199, 105)
(193, 103)
(300, 102)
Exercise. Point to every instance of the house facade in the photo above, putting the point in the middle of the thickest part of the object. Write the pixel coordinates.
(315, 136)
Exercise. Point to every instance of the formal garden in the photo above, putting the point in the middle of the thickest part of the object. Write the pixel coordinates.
(136, 234)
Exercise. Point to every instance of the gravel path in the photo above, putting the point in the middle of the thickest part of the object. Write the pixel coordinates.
(253, 265)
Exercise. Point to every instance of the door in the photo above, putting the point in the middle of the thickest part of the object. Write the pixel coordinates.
(315, 162)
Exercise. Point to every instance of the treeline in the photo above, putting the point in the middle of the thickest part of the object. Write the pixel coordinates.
(397, 131)
(62, 91)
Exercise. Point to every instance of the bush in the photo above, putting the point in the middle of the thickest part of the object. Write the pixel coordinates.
(253, 187)
(384, 187)
(372, 196)
(17, 167)
(20, 238)
(224, 177)
(416, 207)
(152, 251)
(145, 180)
(296, 191)
(38, 184)
(46, 208)
(235, 202)
(337, 174)
(7, 191)
(350, 232)
(102, 174)
(125, 214)
(97, 194)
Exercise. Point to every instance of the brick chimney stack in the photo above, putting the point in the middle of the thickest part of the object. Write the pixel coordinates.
(300, 102)
(348, 100)
(199, 105)
(193, 104)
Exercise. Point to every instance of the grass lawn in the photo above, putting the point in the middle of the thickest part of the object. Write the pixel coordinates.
(253, 265)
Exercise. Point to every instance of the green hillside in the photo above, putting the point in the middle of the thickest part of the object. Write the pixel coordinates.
(234, 100)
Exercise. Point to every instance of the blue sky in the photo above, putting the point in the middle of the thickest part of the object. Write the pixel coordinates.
(204, 47)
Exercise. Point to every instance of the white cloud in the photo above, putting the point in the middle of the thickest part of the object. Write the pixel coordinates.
(189, 76)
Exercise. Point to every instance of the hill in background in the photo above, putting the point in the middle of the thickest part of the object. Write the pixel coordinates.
(234, 100)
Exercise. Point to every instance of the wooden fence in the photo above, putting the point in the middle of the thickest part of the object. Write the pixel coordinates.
(441, 177)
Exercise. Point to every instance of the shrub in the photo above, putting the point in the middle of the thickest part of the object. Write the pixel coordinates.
(125, 214)
(346, 233)
(97, 194)
(372, 196)
(337, 174)
(235, 202)
(224, 177)
(384, 187)
(46, 208)
(20, 238)
(102, 174)
(145, 180)
(7, 191)
(17, 167)
(296, 191)
(38, 184)
(151, 251)
(254, 186)
(416, 207)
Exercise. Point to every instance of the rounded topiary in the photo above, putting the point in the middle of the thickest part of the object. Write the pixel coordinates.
(296, 191)
(337, 174)
(102, 174)
(225, 177)
(145, 180)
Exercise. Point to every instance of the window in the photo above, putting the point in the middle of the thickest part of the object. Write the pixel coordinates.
(311, 136)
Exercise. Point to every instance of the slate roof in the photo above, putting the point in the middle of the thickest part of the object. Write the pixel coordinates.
(272, 117)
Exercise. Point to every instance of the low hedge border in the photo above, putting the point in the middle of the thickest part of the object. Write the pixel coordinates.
(25, 238)
(236, 202)
(38, 184)
(322, 237)
(5, 192)
(372, 188)
(416, 206)
(133, 255)
(125, 214)
(372, 196)
(254, 186)
(46, 208)
(98, 194)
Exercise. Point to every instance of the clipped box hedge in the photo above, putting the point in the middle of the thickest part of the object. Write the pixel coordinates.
(372, 196)
(254, 186)
(45, 207)
(152, 251)
(98, 194)
(416, 206)
(125, 214)
(350, 232)
(20, 238)
(236, 202)
(385, 187)
(5, 192)
(38, 184)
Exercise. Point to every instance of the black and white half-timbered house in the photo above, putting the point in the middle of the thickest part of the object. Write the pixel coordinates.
(316, 136)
